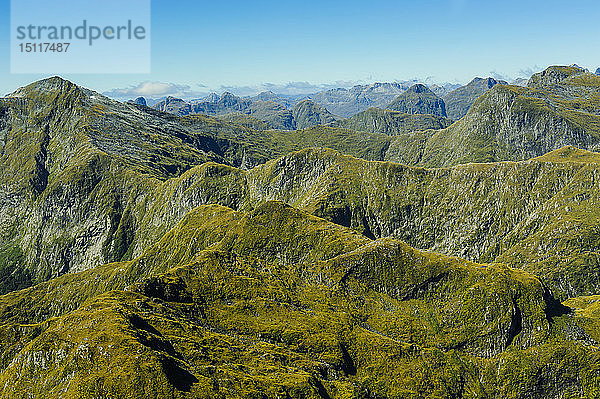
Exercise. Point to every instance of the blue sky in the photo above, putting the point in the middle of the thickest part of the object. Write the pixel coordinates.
(200, 46)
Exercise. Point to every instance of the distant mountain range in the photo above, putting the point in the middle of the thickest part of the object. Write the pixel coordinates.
(303, 114)
(347, 102)
(288, 112)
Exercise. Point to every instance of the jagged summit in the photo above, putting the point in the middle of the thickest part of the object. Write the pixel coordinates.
(307, 114)
(419, 88)
(347, 102)
(266, 94)
(486, 82)
(580, 67)
(140, 101)
(459, 101)
(50, 82)
(212, 97)
(419, 99)
(552, 75)
(228, 99)
(41, 89)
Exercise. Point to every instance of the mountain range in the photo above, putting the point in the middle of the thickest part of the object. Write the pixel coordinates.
(206, 249)
(303, 114)
(268, 110)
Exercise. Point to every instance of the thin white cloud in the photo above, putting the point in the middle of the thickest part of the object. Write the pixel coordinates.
(289, 88)
(500, 76)
(156, 90)
(162, 89)
(528, 71)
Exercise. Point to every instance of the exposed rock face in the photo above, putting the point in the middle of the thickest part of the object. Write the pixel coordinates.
(392, 123)
(304, 114)
(442, 90)
(516, 123)
(419, 100)
(552, 76)
(275, 300)
(459, 101)
(140, 101)
(347, 102)
(174, 105)
(307, 114)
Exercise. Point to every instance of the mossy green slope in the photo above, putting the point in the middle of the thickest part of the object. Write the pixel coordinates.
(517, 123)
(79, 169)
(118, 203)
(459, 100)
(246, 121)
(308, 114)
(538, 215)
(393, 123)
(254, 305)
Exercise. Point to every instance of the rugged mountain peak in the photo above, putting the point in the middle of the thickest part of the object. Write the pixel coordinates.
(265, 96)
(580, 67)
(485, 82)
(491, 82)
(229, 99)
(50, 90)
(520, 82)
(51, 83)
(140, 101)
(419, 88)
(211, 98)
(173, 105)
(419, 99)
(459, 101)
(553, 75)
(308, 113)
(384, 87)
(227, 96)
